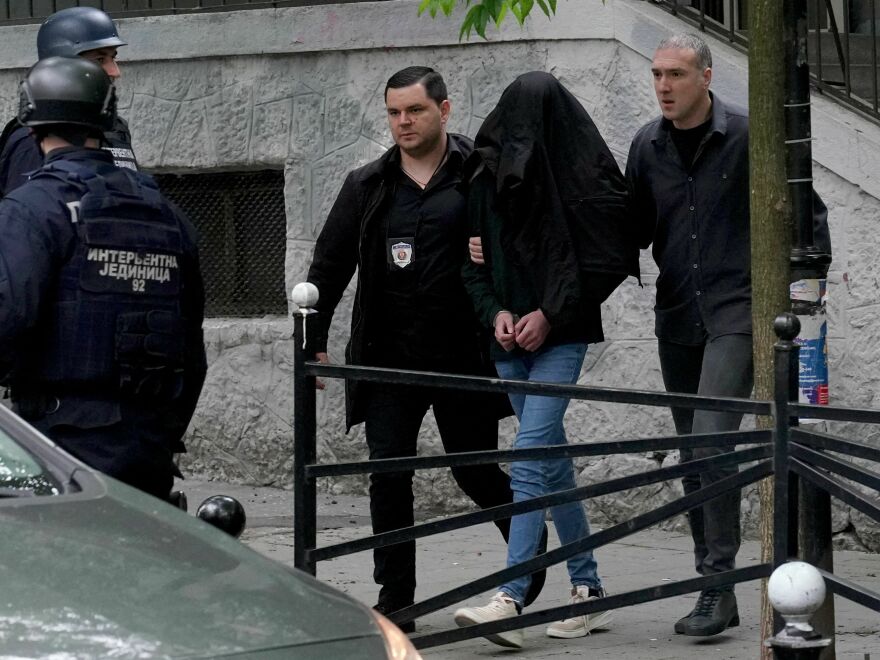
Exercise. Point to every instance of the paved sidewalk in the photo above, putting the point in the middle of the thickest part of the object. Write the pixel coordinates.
(642, 632)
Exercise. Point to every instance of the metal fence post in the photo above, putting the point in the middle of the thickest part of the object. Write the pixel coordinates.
(785, 506)
(785, 483)
(796, 590)
(304, 436)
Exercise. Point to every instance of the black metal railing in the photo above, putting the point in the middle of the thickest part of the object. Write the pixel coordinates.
(34, 11)
(790, 454)
(842, 46)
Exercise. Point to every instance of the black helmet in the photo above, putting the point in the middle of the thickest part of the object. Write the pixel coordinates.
(69, 32)
(67, 90)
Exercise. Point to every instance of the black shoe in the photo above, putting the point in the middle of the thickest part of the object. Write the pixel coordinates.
(679, 626)
(539, 577)
(714, 613)
(386, 609)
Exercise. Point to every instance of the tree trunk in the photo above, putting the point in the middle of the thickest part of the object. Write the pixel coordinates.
(770, 228)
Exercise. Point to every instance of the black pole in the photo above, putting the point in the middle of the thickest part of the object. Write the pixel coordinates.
(785, 372)
(807, 260)
(304, 451)
(817, 549)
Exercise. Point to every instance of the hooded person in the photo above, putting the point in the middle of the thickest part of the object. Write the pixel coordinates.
(550, 205)
(562, 194)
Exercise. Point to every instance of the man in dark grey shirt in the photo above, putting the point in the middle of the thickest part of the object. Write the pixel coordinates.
(689, 173)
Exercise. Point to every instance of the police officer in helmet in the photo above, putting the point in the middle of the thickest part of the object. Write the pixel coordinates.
(75, 32)
(101, 299)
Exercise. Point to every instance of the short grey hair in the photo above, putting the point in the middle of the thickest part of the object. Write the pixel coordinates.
(692, 42)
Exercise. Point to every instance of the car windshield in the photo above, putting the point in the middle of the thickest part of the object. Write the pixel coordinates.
(21, 474)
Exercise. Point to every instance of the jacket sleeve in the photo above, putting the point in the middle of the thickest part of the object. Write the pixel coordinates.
(29, 254)
(477, 278)
(643, 209)
(334, 261)
(20, 155)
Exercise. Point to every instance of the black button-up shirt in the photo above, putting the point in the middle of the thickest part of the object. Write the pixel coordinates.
(697, 218)
(426, 318)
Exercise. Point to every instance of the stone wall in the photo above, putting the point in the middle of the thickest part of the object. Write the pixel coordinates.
(301, 90)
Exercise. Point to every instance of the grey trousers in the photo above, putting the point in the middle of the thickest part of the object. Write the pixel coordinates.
(720, 367)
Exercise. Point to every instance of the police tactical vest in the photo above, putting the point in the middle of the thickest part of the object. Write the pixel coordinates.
(116, 323)
(117, 141)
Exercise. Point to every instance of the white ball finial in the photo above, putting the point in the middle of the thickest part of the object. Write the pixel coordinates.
(796, 590)
(304, 295)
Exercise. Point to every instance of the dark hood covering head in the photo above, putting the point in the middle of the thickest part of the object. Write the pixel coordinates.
(562, 197)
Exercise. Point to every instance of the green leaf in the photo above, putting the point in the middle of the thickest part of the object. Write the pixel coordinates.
(482, 20)
(501, 14)
(493, 7)
(470, 21)
(481, 11)
(517, 11)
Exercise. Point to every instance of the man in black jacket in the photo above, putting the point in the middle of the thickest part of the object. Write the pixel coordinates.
(74, 32)
(400, 221)
(689, 172)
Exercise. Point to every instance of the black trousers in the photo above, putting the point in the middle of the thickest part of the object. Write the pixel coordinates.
(720, 367)
(147, 466)
(394, 415)
(128, 442)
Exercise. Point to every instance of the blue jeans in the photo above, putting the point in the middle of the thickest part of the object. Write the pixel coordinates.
(540, 424)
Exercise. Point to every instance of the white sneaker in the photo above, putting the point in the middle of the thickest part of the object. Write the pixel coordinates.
(501, 606)
(580, 626)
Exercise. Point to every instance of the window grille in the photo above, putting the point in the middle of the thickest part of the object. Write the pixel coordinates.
(242, 225)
